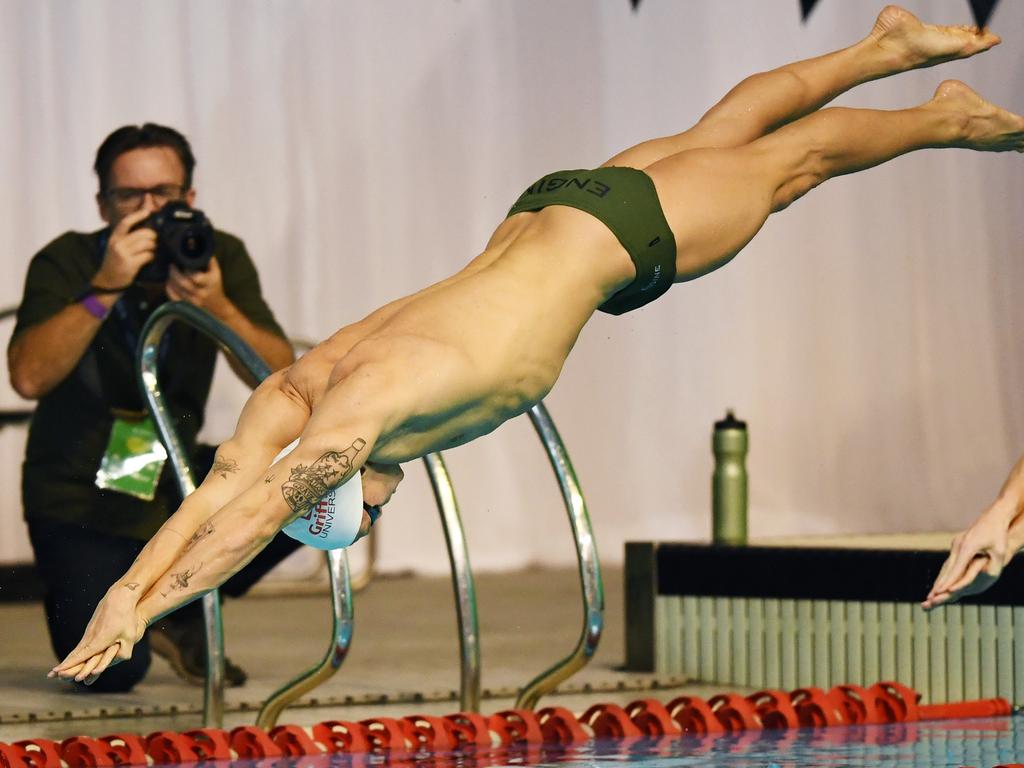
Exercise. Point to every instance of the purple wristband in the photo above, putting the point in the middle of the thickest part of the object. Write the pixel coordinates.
(94, 306)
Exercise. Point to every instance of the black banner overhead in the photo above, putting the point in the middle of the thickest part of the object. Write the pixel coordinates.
(980, 9)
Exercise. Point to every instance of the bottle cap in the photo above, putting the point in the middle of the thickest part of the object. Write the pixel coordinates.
(730, 422)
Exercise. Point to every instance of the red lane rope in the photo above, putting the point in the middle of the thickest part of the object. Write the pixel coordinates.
(884, 702)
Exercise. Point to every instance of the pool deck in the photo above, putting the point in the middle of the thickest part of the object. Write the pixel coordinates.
(403, 660)
(404, 650)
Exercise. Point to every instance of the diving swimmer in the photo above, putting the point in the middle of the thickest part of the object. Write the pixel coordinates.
(452, 362)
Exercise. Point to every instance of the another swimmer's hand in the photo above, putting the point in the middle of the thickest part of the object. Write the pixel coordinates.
(977, 557)
(380, 481)
(113, 631)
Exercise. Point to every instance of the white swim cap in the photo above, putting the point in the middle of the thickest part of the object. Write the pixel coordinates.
(333, 522)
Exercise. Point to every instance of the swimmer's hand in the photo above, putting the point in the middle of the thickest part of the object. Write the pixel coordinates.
(380, 481)
(113, 631)
(977, 557)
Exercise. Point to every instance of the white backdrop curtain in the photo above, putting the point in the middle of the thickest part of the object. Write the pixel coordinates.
(870, 335)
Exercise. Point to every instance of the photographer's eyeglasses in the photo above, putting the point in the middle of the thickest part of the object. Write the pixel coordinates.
(132, 197)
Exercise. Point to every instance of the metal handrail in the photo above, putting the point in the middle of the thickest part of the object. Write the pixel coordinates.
(233, 346)
(586, 555)
(343, 626)
(462, 581)
(462, 575)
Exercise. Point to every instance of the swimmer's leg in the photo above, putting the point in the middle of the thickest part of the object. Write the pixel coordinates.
(765, 101)
(716, 200)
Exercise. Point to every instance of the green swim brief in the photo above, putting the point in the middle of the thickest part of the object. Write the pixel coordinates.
(625, 200)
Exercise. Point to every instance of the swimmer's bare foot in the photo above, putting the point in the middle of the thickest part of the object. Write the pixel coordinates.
(910, 44)
(982, 126)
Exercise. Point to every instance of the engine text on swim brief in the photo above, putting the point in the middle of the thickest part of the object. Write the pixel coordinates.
(594, 187)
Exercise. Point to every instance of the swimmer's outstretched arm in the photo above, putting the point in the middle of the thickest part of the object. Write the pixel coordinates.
(233, 536)
(980, 553)
(184, 529)
(269, 421)
(237, 533)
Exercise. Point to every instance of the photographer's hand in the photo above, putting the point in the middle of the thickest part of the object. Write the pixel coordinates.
(127, 252)
(206, 291)
(203, 289)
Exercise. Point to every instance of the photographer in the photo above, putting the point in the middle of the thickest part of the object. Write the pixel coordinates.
(87, 296)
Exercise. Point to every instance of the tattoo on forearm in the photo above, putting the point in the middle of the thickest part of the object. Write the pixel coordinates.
(269, 478)
(132, 585)
(179, 580)
(223, 467)
(305, 486)
(202, 532)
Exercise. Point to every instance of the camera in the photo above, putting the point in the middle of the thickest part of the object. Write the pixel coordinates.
(184, 238)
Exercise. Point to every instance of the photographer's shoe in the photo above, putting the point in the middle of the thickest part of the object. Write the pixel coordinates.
(183, 646)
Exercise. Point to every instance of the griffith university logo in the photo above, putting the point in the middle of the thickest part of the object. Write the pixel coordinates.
(321, 516)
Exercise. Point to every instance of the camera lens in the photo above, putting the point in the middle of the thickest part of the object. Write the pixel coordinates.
(184, 238)
(195, 249)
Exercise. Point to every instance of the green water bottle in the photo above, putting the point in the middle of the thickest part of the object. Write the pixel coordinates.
(729, 483)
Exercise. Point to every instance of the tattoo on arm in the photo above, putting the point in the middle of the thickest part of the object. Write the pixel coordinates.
(202, 532)
(305, 486)
(223, 467)
(132, 585)
(269, 478)
(179, 580)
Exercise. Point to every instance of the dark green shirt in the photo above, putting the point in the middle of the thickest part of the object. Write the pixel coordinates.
(69, 431)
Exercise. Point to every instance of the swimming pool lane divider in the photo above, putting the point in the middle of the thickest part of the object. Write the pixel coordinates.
(340, 586)
(420, 735)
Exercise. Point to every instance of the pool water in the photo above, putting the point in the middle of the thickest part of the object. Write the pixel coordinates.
(982, 743)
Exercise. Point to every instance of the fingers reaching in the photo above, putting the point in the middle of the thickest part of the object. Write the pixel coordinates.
(981, 573)
(104, 662)
(112, 633)
(88, 667)
(73, 661)
(66, 673)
